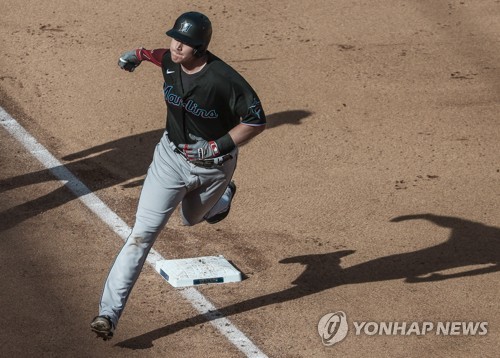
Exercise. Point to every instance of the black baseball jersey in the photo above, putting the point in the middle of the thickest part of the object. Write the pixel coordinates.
(207, 104)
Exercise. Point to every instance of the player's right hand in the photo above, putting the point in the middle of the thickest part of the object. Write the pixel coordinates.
(200, 150)
(129, 61)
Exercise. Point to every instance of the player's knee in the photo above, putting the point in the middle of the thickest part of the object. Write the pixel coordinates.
(188, 220)
(141, 240)
(148, 225)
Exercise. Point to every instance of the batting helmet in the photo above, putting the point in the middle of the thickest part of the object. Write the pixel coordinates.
(193, 29)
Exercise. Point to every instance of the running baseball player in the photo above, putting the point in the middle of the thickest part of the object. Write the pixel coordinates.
(211, 109)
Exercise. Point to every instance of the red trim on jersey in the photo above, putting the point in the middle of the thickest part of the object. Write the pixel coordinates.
(153, 56)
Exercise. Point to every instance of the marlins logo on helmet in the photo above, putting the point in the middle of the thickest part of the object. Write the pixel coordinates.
(185, 26)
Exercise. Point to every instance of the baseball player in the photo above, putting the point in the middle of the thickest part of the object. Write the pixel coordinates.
(211, 109)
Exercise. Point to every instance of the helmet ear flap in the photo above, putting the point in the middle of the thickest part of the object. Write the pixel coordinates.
(199, 52)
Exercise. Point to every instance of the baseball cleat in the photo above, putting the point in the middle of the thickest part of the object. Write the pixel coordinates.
(221, 216)
(103, 327)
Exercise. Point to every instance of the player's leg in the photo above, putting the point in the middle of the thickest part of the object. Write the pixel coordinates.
(221, 209)
(212, 196)
(163, 190)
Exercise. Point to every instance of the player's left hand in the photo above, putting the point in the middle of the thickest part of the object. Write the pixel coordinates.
(129, 61)
(200, 150)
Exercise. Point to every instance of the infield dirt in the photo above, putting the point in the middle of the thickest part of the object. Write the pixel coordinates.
(374, 190)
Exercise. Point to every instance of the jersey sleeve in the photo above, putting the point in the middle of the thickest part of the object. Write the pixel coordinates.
(248, 106)
(153, 56)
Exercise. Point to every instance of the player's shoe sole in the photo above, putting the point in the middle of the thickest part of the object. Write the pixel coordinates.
(102, 326)
(221, 216)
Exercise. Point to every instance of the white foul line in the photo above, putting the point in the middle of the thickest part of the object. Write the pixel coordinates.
(109, 217)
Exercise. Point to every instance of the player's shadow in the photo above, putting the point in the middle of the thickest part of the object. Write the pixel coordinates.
(470, 244)
(286, 118)
(121, 162)
(112, 163)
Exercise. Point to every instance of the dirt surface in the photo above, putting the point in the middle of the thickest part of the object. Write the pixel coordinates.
(374, 191)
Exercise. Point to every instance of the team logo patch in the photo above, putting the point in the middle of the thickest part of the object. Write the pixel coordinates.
(256, 108)
(185, 26)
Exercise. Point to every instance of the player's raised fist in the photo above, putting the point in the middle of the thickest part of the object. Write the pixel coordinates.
(129, 61)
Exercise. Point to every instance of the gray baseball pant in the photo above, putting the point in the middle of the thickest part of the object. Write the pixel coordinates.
(171, 180)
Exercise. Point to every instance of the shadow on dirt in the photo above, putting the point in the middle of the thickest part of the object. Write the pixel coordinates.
(121, 162)
(470, 243)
